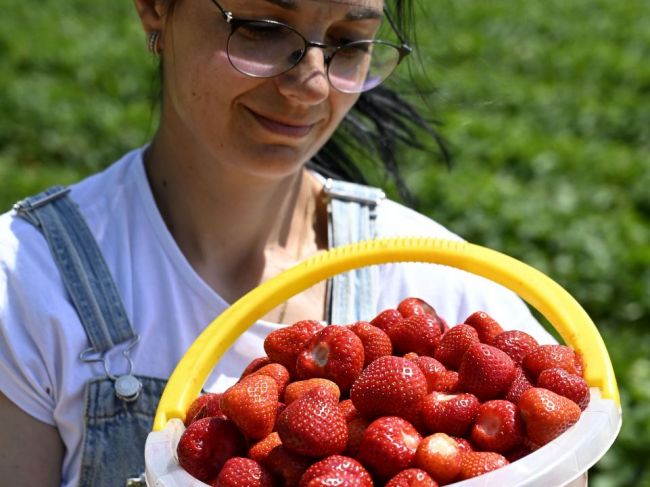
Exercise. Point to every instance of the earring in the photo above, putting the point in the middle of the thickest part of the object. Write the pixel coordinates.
(152, 44)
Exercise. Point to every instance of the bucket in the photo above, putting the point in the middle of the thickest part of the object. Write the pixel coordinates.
(557, 463)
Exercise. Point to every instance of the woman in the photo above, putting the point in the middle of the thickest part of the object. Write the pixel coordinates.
(218, 202)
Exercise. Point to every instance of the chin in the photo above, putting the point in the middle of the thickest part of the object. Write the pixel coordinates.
(277, 161)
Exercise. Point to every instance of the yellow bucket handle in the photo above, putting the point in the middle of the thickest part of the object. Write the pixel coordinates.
(549, 298)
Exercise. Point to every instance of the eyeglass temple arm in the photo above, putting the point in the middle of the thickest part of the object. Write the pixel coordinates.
(405, 45)
(226, 14)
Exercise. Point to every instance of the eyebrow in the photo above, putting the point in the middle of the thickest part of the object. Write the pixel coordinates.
(357, 13)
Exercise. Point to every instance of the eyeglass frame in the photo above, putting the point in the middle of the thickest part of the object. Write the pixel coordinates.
(236, 22)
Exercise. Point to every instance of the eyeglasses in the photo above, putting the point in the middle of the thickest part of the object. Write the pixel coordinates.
(266, 48)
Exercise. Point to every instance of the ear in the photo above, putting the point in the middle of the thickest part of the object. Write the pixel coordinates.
(152, 15)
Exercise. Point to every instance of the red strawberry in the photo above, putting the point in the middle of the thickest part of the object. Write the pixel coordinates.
(339, 479)
(551, 356)
(520, 384)
(356, 428)
(498, 426)
(515, 343)
(283, 345)
(412, 477)
(336, 466)
(255, 364)
(334, 353)
(204, 406)
(415, 306)
(518, 452)
(454, 343)
(433, 370)
(485, 325)
(449, 413)
(447, 381)
(206, 445)
(388, 446)
(439, 455)
(252, 405)
(390, 386)
(387, 319)
(477, 463)
(277, 372)
(417, 333)
(485, 371)
(376, 342)
(547, 415)
(568, 385)
(313, 426)
(260, 451)
(239, 471)
(348, 410)
(300, 387)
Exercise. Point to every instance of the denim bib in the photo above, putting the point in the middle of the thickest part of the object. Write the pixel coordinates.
(119, 410)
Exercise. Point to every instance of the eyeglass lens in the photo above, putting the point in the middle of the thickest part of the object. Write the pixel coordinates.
(265, 49)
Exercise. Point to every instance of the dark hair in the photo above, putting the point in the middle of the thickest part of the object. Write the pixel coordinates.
(380, 125)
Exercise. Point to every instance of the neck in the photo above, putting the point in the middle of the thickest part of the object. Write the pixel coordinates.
(229, 224)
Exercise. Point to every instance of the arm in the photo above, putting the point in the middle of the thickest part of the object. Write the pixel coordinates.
(31, 452)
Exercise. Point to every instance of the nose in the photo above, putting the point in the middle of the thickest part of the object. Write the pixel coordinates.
(307, 81)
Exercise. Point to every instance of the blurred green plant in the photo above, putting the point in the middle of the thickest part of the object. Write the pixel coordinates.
(545, 105)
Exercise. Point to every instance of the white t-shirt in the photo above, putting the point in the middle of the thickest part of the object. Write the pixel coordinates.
(167, 303)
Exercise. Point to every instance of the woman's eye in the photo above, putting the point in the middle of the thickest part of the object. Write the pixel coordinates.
(263, 31)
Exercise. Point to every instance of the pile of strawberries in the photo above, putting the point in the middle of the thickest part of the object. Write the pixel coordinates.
(402, 400)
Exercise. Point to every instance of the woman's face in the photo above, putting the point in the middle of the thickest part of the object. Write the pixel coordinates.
(263, 126)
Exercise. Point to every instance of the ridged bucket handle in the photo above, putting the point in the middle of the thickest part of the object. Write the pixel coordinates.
(549, 298)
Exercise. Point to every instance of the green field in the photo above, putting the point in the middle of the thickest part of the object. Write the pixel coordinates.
(545, 106)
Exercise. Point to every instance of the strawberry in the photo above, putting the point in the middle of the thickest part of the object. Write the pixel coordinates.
(485, 371)
(390, 386)
(260, 450)
(300, 387)
(204, 406)
(485, 325)
(283, 345)
(415, 306)
(518, 452)
(417, 333)
(515, 343)
(522, 382)
(412, 477)
(288, 467)
(568, 385)
(277, 372)
(356, 428)
(551, 356)
(439, 455)
(334, 353)
(388, 446)
(498, 426)
(313, 426)
(255, 364)
(477, 463)
(348, 410)
(340, 479)
(252, 405)
(449, 413)
(454, 343)
(336, 466)
(387, 319)
(239, 471)
(447, 381)
(432, 369)
(206, 445)
(547, 415)
(376, 342)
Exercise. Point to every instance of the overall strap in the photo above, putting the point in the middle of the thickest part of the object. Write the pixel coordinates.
(352, 214)
(82, 266)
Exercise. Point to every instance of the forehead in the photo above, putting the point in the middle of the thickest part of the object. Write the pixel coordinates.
(362, 4)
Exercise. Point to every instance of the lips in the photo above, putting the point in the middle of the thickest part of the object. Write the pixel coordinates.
(294, 130)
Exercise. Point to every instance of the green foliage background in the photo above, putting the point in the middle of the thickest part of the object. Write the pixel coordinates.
(545, 105)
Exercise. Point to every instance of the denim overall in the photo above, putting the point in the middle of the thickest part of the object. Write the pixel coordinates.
(119, 410)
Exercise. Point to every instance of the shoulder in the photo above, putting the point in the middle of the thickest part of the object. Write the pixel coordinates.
(395, 219)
